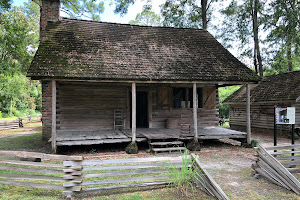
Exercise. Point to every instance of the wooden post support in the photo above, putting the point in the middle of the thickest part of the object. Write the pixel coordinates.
(128, 108)
(150, 108)
(133, 112)
(195, 111)
(53, 126)
(248, 114)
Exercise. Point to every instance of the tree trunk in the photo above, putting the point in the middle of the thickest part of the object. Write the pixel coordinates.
(256, 41)
(203, 9)
(289, 54)
(254, 60)
(11, 106)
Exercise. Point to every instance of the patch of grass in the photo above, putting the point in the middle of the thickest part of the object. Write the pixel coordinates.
(225, 125)
(33, 124)
(182, 178)
(28, 143)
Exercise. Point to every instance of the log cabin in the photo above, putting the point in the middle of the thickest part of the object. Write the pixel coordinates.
(282, 90)
(111, 83)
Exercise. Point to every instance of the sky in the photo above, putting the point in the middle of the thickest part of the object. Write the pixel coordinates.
(109, 16)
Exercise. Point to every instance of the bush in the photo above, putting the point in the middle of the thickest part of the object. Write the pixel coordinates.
(182, 178)
(0, 115)
(17, 113)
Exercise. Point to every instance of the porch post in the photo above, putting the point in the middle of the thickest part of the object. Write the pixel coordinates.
(195, 111)
(186, 97)
(132, 148)
(248, 114)
(150, 108)
(194, 145)
(53, 125)
(133, 118)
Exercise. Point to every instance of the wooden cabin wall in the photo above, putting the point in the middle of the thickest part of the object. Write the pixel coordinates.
(207, 116)
(297, 106)
(88, 106)
(262, 117)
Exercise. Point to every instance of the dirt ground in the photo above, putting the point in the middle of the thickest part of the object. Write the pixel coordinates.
(227, 162)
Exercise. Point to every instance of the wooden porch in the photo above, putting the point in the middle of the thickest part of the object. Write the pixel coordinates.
(75, 137)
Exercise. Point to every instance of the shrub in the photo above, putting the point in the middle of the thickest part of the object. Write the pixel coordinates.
(0, 115)
(182, 178)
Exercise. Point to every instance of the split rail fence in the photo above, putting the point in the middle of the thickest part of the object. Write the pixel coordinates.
(277, 164)
(16, 123)
(73, 175)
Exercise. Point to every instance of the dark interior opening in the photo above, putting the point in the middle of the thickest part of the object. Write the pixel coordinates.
(141, 109)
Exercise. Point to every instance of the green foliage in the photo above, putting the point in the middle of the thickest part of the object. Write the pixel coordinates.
(5, 5)
(146, 18)
(224, 92)
(0, 115)
(181, 14)
(182, 178)
(19, 36)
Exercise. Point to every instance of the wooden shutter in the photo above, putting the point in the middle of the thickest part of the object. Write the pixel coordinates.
(165, 97)
(209, 98)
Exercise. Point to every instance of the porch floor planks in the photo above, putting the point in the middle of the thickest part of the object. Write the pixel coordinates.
(81, 137)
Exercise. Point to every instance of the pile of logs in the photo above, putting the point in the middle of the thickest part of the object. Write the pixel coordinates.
(270, 168)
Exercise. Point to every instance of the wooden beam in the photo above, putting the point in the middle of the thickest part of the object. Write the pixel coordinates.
(248, 114)
(133, 112)
(53, 110)
(186, 97)
(195, 111)
(127, 109)
(150, 108)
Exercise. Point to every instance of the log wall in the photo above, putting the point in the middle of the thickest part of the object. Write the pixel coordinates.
(206, 116)
(88, 106)
(262, 117)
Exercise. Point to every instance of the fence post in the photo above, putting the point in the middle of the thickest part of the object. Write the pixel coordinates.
(73, 176)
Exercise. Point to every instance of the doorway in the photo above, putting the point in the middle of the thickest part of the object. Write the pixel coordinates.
(142, 109)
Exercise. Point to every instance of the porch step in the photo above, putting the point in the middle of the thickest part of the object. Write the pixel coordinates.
(166, 143)
(169, 149)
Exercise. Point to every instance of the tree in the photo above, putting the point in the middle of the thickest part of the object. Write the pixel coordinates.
(283, 21)
(186, 13)
(241, 25)
(5, 5)
(146, 18)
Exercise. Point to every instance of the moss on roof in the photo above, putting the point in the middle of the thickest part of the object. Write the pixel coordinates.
(79, 49)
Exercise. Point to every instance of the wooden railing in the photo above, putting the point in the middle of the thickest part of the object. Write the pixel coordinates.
(74, 175)
(17, 123)
(32, 167)
(277, 165)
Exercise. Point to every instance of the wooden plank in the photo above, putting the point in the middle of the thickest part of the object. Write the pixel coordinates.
(112, 181)
(33, 185)
(248, 112)
(136, 185)
(289, 163)
(27, 163)
(169, 149)
(150, 108)
(195, 106)
(22, 169)
(166, 143)
(25, 154)
(133, 112)
(121, 167)
(31, 177)
(294, 184)
(211, 180)
(124, 173)
(280, 158)
(53, 116)
(122, 161)
(296, 146)
(284, 152)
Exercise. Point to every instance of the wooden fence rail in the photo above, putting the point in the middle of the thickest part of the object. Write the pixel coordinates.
(34, 167)
(74, 175)
(274, 168)
(17, 123)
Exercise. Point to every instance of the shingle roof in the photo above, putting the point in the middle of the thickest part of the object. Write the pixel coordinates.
(80, 49)
(277, 88)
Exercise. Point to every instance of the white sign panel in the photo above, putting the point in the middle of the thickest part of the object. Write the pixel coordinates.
(285, 115)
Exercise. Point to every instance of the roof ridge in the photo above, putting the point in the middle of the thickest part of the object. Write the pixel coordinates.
(142, 26)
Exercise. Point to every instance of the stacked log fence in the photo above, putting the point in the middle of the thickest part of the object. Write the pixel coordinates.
(27, 169)
(18, 123)
(72, 175)
(278, 164)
